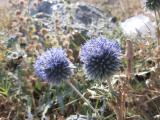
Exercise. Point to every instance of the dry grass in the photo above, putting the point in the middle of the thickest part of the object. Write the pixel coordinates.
(5, 16)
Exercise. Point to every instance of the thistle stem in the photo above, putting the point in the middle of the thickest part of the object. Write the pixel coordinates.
(77, 91)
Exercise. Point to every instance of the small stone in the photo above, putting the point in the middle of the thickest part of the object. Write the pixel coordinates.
(139, 25)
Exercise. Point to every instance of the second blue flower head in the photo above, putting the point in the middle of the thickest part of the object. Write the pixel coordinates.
(100, 57)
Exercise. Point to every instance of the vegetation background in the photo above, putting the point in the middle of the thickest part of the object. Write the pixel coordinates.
(23, 96)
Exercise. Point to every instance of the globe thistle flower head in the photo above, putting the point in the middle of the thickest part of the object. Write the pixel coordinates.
(153, 4)
(53, 66)
(100, 58)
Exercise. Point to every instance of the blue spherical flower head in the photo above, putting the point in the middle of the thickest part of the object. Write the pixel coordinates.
(53, 66)
(100, 58)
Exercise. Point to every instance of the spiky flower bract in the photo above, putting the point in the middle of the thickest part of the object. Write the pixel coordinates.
(53, 66)
(153, 4)
(100, 57)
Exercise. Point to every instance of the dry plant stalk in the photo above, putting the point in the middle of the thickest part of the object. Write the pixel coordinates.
(157, 16)
(118, 104)
(129, 57)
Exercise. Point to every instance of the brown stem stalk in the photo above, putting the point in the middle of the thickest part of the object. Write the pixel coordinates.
(129, 56)
(157, 27)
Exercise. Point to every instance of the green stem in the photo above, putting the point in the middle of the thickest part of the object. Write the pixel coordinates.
(77, 91)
